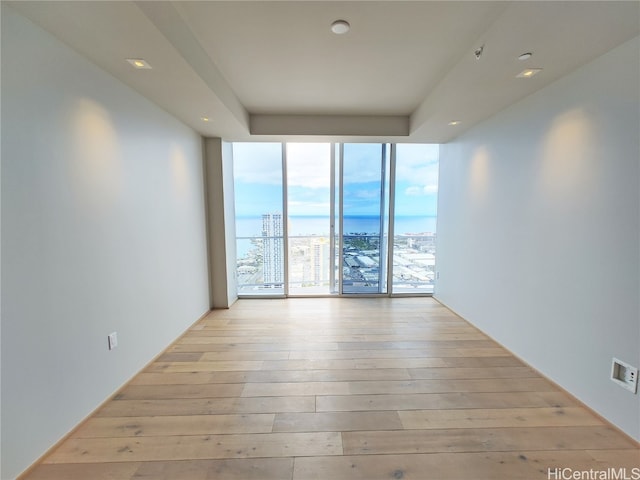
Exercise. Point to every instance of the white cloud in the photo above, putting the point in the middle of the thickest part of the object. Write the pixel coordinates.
(257, 163)
(417, 162)
(308, 164)
(362, 163)
(418, 191)
(308, 208)
(365, 194)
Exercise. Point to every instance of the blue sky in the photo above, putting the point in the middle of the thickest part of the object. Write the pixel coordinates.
(258, 178)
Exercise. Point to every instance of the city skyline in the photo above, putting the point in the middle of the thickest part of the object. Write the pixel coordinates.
(362, 262)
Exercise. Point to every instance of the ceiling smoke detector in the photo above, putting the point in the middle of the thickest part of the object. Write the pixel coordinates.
(340, 27)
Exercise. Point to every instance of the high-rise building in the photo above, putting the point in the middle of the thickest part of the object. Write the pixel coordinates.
(272, 249)
(320, 260)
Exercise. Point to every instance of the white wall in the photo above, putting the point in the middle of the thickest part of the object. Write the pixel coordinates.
(538, 230)
(221, 213)
(229, 206)
(103, 229)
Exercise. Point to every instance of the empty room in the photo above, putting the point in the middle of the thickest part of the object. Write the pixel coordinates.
(271, 240)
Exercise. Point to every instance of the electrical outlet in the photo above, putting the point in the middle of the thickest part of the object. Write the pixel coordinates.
(624, 375)
(112, 340)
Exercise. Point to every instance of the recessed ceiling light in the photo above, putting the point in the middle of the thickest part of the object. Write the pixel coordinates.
(455, 122)
(528, 73)
(204, 119)
(525, 56)
(139, 63)
(340, 26)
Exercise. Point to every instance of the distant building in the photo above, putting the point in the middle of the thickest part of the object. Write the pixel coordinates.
(320, 266)
(272, 249)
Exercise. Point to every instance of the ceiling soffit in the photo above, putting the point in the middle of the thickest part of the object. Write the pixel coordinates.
(273, 70)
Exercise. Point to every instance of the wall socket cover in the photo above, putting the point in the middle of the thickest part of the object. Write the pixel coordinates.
(112, 340)
(624, 375)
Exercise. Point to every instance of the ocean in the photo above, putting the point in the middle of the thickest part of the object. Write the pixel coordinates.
(311, 225)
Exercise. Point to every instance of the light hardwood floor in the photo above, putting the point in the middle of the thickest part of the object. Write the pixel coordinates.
(329, 389)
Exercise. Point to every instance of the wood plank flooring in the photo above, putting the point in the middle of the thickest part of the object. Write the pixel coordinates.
(330, 389)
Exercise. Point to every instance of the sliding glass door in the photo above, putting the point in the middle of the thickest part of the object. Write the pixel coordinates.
(258, 189)
(364, 217)
(309, 169)
(414, 225)
(326, 219)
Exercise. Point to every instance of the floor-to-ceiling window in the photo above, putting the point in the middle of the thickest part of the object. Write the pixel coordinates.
(414, 225)
(309, 210)
(260, 227)
(364, 212)
(317, 218)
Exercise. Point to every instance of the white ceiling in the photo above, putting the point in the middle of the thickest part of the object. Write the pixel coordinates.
(264, 70)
